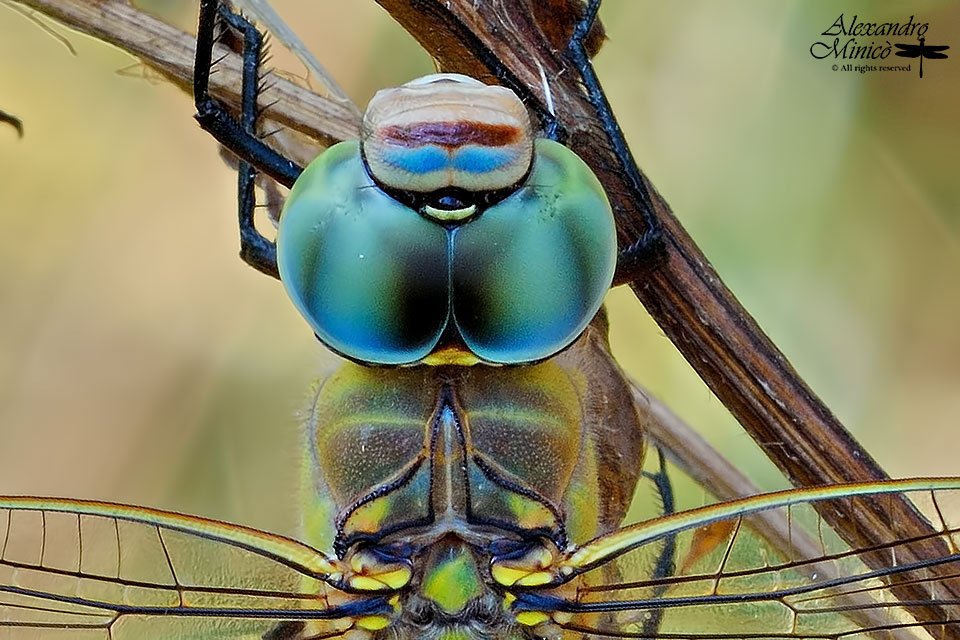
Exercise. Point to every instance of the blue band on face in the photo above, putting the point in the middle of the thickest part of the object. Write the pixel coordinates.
(426, 159)
(481, 159)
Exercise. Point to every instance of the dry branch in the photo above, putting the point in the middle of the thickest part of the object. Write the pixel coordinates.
(170, 51)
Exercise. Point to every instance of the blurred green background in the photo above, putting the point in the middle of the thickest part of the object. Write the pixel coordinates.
(141, 361)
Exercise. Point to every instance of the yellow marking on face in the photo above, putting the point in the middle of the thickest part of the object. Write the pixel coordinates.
(447, 215)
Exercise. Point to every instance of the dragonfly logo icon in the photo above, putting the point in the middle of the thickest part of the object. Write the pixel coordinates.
(930, 52)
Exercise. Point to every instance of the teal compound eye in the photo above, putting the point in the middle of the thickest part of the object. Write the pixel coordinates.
(382, 284)
(369, 274)
(530, 273)
(456, 281)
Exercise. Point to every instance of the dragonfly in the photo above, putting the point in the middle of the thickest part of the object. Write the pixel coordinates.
(455, 491)
(921, 50)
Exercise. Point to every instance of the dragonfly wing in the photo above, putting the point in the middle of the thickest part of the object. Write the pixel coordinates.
(86, 570)
(932, 55)
(908, 50)
(730, 583)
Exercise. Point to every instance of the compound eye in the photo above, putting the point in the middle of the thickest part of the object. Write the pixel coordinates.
(531, 272)
(369, 274)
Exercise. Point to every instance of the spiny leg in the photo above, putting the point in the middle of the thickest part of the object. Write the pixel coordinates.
(647, 250)
(552, 129)
(666, 560)
(240, 138)
(255, 250)
(214, 118)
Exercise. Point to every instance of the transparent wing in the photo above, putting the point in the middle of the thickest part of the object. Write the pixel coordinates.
(728, 582)
(88, 570)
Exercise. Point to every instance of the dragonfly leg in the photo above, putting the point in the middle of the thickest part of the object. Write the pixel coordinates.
(647, 250)
(214, 117)
(256, 250)
(552, 129)
(240, 137)
(667, 558)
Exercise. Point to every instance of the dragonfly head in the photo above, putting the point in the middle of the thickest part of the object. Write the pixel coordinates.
(447, 145)
(447, 234)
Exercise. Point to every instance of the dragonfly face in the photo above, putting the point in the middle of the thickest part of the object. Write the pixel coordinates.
(444, 133)
(447, 234)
